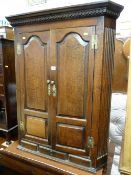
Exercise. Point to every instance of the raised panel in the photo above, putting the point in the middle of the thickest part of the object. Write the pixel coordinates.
(72, 55)
(36, 126)
(69, 135)
(35, 73)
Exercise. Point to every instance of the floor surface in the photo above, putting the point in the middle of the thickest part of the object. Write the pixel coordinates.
(6, 171)
(3, 170)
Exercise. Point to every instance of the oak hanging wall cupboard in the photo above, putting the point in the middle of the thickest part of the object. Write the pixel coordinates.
(64, 63)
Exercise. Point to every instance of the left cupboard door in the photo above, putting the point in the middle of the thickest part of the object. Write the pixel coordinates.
(32, 62)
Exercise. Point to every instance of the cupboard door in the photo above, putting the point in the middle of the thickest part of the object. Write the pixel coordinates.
(34, 75)
(72, 84)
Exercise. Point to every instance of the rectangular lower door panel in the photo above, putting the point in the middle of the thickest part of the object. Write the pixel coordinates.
(36, 126)
(69, 135)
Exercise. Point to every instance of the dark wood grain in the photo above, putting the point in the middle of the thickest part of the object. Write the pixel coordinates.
(108, 62)
(121, 64)
(8, 116)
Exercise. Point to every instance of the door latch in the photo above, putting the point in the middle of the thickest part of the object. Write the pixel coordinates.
(90, 142)
(48, 87)
(51, 86)
(94, 42)
(54, 91)
(18, 49)
(22, 128)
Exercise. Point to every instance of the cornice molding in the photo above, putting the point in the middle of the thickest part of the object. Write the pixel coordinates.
(107, 8)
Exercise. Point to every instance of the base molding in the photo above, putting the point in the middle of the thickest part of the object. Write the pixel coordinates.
(85, 163)
(28, 163)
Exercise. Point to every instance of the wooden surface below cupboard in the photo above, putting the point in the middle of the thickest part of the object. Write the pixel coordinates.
(30, 164)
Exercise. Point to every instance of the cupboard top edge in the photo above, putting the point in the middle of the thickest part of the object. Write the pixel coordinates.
(102, 8)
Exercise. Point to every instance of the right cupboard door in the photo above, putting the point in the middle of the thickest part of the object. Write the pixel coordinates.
(72, 67)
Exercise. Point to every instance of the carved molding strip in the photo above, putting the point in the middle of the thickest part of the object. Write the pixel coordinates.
(65, 14)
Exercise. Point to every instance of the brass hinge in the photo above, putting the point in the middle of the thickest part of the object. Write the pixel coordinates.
(94, 42)
(90, 142)
(18, 49)
(22, 128)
